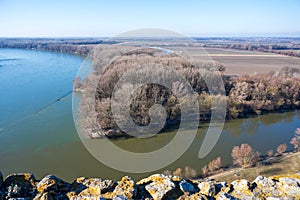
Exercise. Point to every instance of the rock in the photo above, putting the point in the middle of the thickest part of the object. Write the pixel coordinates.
(241, 185)
(264, 182)
(119, 198)
(265, 187)
(207, 188)
(20, 185)
(52, 187)
(126, 188)
(196, 196)
(1, 180)
(290, 187)
(186, 186)
(295, 182)
(242, 189)
(287, 186)
(225, 196)
(86, 187)
(273, 198)
(175, 178)
(157, 187)
(160, 187)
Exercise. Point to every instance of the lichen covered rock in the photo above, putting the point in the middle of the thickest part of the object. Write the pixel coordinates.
(52, 187)
(187, 187)
(126, 188)
(158, 187)
(225, 196)
(20, 185)
(265, 187)
(91, 187)
(207, 188)
(1, 180)
(242, 189)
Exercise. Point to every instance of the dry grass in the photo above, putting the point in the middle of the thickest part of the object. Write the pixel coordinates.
(288, 164)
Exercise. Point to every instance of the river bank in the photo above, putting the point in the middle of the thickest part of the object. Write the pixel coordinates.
(155, 187)
(287, 163)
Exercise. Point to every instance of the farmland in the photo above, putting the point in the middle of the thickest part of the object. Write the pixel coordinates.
(245, 62)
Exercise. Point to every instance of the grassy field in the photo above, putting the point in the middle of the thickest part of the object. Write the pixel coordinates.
(288, 164)
(245, 62)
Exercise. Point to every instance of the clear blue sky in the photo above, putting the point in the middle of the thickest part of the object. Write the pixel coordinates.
(56, 18)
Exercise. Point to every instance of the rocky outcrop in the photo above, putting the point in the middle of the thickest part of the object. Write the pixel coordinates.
(19, 185)
(157, 187)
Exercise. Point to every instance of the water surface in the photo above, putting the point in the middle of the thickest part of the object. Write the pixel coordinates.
(37, 132)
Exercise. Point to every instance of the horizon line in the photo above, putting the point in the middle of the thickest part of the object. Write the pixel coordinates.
(194, 36)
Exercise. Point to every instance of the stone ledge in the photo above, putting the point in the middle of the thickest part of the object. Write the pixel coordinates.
(158, 187)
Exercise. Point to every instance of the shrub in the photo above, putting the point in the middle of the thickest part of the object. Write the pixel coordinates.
(178, 172)
(215, 164)
(218, 163)
(244, 155)
(270, 153)
(281, 148)
(167, 172)
(189, 172)
(204, 171)
(295, 141)
(297, 132)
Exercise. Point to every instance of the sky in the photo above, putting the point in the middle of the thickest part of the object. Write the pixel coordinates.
(96, 18)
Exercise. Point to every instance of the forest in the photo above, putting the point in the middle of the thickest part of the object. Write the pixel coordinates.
(244, 95)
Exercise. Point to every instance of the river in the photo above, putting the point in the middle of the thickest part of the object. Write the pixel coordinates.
(38, 135)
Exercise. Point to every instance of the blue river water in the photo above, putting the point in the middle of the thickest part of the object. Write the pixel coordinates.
(38, 135)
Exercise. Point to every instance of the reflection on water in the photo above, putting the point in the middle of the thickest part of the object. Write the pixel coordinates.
(46, 142)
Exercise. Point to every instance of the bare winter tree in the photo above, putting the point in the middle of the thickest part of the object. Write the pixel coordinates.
(244, 155)
(281, 148)
(295, 141)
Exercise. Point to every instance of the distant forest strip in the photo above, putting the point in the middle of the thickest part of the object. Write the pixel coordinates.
(283, 49)
(73, 46)
(83, 46)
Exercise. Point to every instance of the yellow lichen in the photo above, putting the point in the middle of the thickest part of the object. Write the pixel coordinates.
(108, 195)
(277, 177)
(27, 176)
(176, 178)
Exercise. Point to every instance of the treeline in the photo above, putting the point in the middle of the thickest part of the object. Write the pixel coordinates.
(75, 46)
(245, 95)
(283, 49)
(263, 93)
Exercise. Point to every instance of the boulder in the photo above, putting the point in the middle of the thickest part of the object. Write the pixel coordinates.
(196, 196)
(91, 187)
(52, 187)
(186, 186)
(207, 188)
(126, 188)
(160, 187)
(1, 180)
(242, 189)
(265, 187)
(21, 185)
(290, 187)
(287, 186)
(225, 196)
